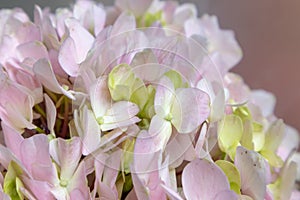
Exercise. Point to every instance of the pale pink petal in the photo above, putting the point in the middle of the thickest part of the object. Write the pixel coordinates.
(192, 26)
(49, 34)
(98, 166)
(51, 113)
(23, 34)
(4, 196)
(111, 170)
(77, 184)
(184, 12)
(164, 97)
(222, 41)
(75, 48)
(40, 189)
(99, 19)
(202, 136)
(1, 181)
(6, 156)
(106, 193)
(289, 143)
(13, 139)
(77, 194)
(171, 193)
(146, 67)
(122, 113)
(295, 195)
(66, 57)
(145, 168)
(124, 23)
(190, 109)
(26, 79)
(238, 90)
(66, 154)
(59, 192)
(202, 179)
(145, 153)
(138, 8)
(91, 15)
(265, 100)
(100, 97)
(227, 194)
(35, 152)
(15, 105)
(61, 18)
(179, 148)
(57, 69)
(44, 72)
(34, 50)
(110, 136)
(161, 130)
(83, 40)
(88, 130)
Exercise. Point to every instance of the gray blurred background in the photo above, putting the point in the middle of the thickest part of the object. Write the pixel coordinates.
(268, 32)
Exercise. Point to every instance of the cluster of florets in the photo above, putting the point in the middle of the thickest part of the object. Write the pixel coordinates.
(134, 101)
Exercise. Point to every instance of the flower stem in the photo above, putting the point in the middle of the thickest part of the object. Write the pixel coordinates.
(38, 129)
(66, 119)
(40, 110)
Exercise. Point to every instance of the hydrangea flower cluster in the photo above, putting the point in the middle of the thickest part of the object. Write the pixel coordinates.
(134, 101)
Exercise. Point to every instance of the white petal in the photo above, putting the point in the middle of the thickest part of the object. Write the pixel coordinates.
(253, 173)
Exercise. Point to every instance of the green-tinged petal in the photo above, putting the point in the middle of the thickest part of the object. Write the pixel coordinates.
(175, 77)
(243, 112)
(12, 183)
(127, 158)
(258, 140)
(148, 110)
(257, 127)
(274, 136)
(164, 97)
(253, 136)
(120, 82)
(247, 137)
(149, 18)
(230, 131)
(283, 186)
(232, 174)
(139, 94)
(124, 85)
(273, 159)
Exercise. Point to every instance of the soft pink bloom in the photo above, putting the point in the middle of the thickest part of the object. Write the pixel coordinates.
(218, 41)
(45, 74)
(138, 8)
(15, 105)
(202, 179)
(111, 115)
(75, 47)
(91, 15)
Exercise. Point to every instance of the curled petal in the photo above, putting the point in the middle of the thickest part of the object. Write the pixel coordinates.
(44, 72)
(78, 44)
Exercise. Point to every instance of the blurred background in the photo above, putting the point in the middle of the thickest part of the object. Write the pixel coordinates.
(268, 32)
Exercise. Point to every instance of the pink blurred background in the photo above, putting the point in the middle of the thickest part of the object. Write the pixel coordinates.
(269, 34)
